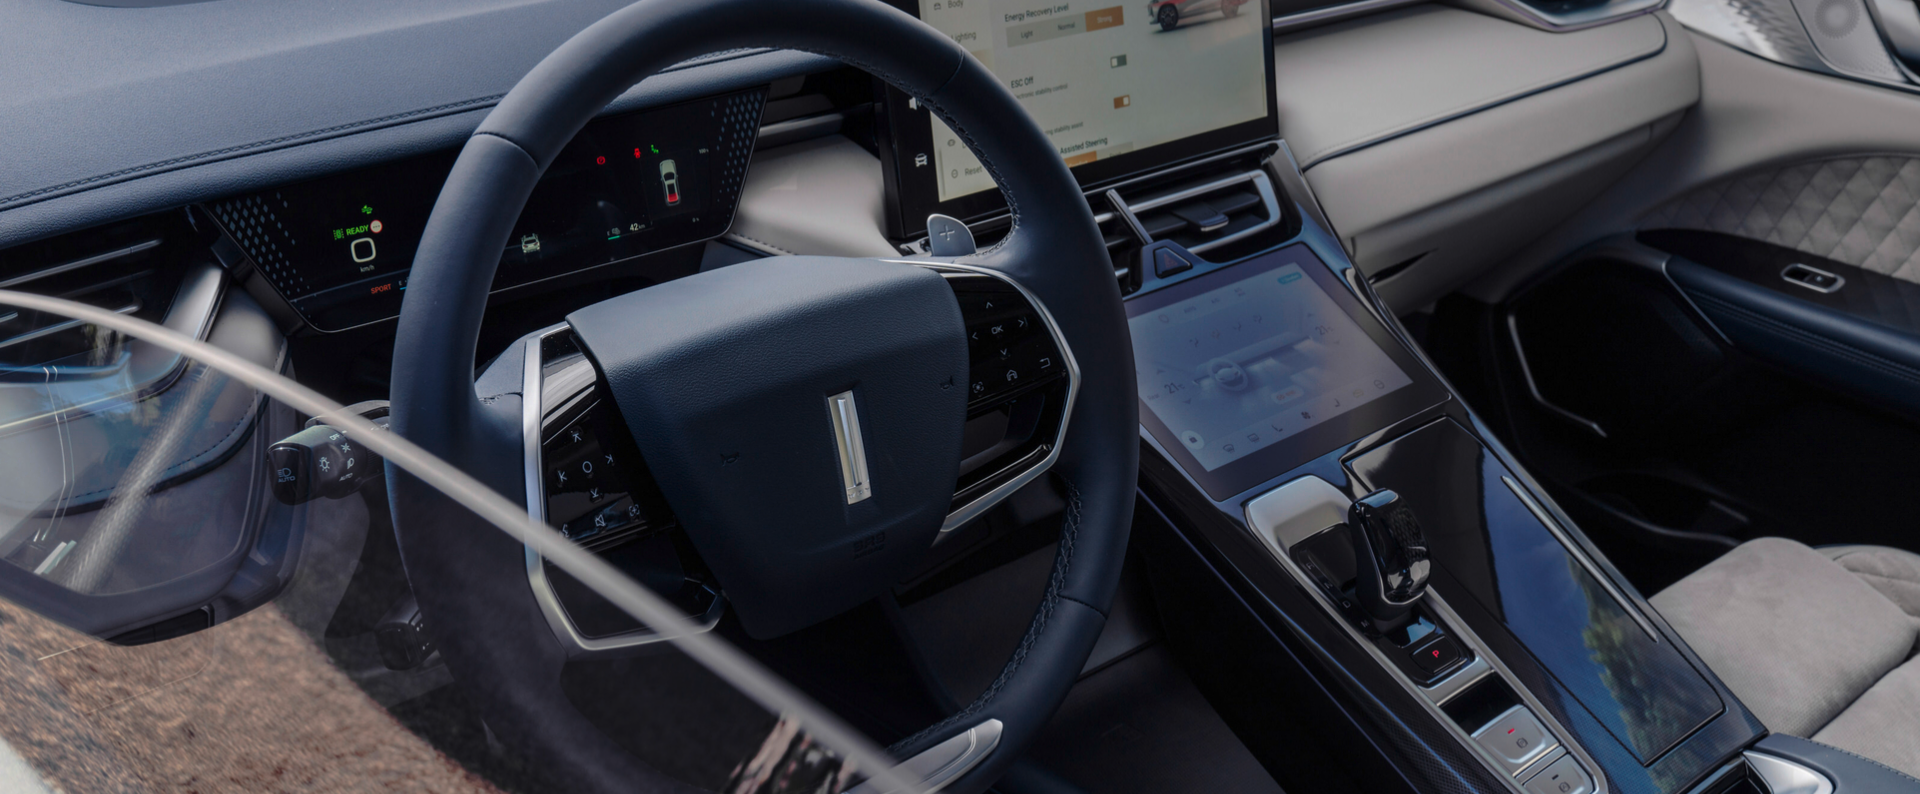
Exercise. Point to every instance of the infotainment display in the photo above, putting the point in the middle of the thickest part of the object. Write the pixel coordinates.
(1119, 89)
(1250, 370)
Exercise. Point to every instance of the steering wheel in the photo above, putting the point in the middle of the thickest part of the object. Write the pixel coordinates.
(724, 379)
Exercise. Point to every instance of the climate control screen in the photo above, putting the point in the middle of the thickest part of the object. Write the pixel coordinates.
(1251, 369)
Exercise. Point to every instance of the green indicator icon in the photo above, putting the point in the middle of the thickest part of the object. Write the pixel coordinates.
(366, 210)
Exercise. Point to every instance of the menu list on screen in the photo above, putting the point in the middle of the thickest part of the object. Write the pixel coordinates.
(1103, 79)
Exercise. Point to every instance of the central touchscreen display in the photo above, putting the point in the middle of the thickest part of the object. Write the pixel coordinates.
(1250, 370)
(1119, 89)
(1104, 80)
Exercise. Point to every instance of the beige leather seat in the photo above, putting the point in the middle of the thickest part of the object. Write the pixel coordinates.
(1819, 643)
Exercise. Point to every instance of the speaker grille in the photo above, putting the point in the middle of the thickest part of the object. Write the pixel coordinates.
(1846, 39)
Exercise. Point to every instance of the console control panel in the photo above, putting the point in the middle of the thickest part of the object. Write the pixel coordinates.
(1516, 738)
(1421, 646)
(1511, 734)
(1564, 776)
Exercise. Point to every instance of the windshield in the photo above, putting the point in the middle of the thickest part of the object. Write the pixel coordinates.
(203, 591)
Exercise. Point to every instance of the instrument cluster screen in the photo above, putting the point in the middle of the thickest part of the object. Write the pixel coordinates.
(339, 248)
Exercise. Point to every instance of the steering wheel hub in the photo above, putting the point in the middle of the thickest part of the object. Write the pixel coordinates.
(728, 381)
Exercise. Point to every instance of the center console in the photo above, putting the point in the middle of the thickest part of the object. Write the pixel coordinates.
(1352, 566)
(1387, 552)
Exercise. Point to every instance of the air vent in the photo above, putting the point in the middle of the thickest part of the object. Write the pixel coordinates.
(1200, 214)
(131, 267)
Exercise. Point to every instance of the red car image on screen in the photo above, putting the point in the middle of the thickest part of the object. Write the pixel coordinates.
(1170, 13)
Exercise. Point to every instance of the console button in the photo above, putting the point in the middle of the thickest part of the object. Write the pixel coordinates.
(1437, 655)
(1167, 263)
(1516, 738)
(1561, 777)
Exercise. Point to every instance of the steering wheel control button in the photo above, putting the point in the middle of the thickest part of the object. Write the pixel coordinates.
(1009, 352)
(589, 498)
(947, 236)
(1436, 656)
(1515, 738)
(1564, 776)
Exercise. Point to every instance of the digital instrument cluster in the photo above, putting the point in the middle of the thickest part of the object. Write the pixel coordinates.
(339, 248)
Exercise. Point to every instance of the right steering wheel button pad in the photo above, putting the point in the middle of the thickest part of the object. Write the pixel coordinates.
(1009, 349)
(588, 496)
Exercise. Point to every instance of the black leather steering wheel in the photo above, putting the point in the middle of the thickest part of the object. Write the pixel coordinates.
(902, 351)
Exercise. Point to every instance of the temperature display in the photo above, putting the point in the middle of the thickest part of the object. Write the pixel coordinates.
(1255, 362)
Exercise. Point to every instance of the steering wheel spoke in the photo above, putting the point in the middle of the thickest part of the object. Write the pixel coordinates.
(585, 478)
(1021, 384)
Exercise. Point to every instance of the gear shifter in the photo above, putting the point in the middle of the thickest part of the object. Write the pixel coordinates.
(1389, 556)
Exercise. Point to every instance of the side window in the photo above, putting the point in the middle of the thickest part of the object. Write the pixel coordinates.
(203, 591)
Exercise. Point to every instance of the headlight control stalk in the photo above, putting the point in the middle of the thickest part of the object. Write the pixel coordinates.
(323, 462)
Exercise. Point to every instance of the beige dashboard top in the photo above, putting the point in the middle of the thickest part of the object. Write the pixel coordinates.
(1351, 85)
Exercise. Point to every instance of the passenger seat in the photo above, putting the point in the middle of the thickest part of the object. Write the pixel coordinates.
(1818, 643)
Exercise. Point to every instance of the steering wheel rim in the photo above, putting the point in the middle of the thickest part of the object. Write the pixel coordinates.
(492, 634)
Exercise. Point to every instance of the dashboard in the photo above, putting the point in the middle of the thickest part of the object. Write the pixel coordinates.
(1167, 118)
(1122, 91)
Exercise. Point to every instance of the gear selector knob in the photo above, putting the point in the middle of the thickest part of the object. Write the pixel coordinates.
(1389, 554)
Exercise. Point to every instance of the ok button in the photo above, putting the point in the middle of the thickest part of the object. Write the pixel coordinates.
(1516, 738)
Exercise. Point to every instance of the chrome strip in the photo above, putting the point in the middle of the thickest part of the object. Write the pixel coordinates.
(1125, 213)
(1430, 697)
(1319, 16)
(1838, 280)
(943, 763)
(986, 501)
(1580, 556)
(1786, 777)
(532, 402)
(851, 448)
(1565, 23)
(1526, 373)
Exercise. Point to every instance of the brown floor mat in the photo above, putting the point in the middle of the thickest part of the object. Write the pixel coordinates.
(247, 706)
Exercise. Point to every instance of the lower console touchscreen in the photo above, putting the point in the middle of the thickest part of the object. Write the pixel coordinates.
(1253, 369)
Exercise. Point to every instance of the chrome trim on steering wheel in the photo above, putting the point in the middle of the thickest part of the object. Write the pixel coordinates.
(986, 501)
(532, 415)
